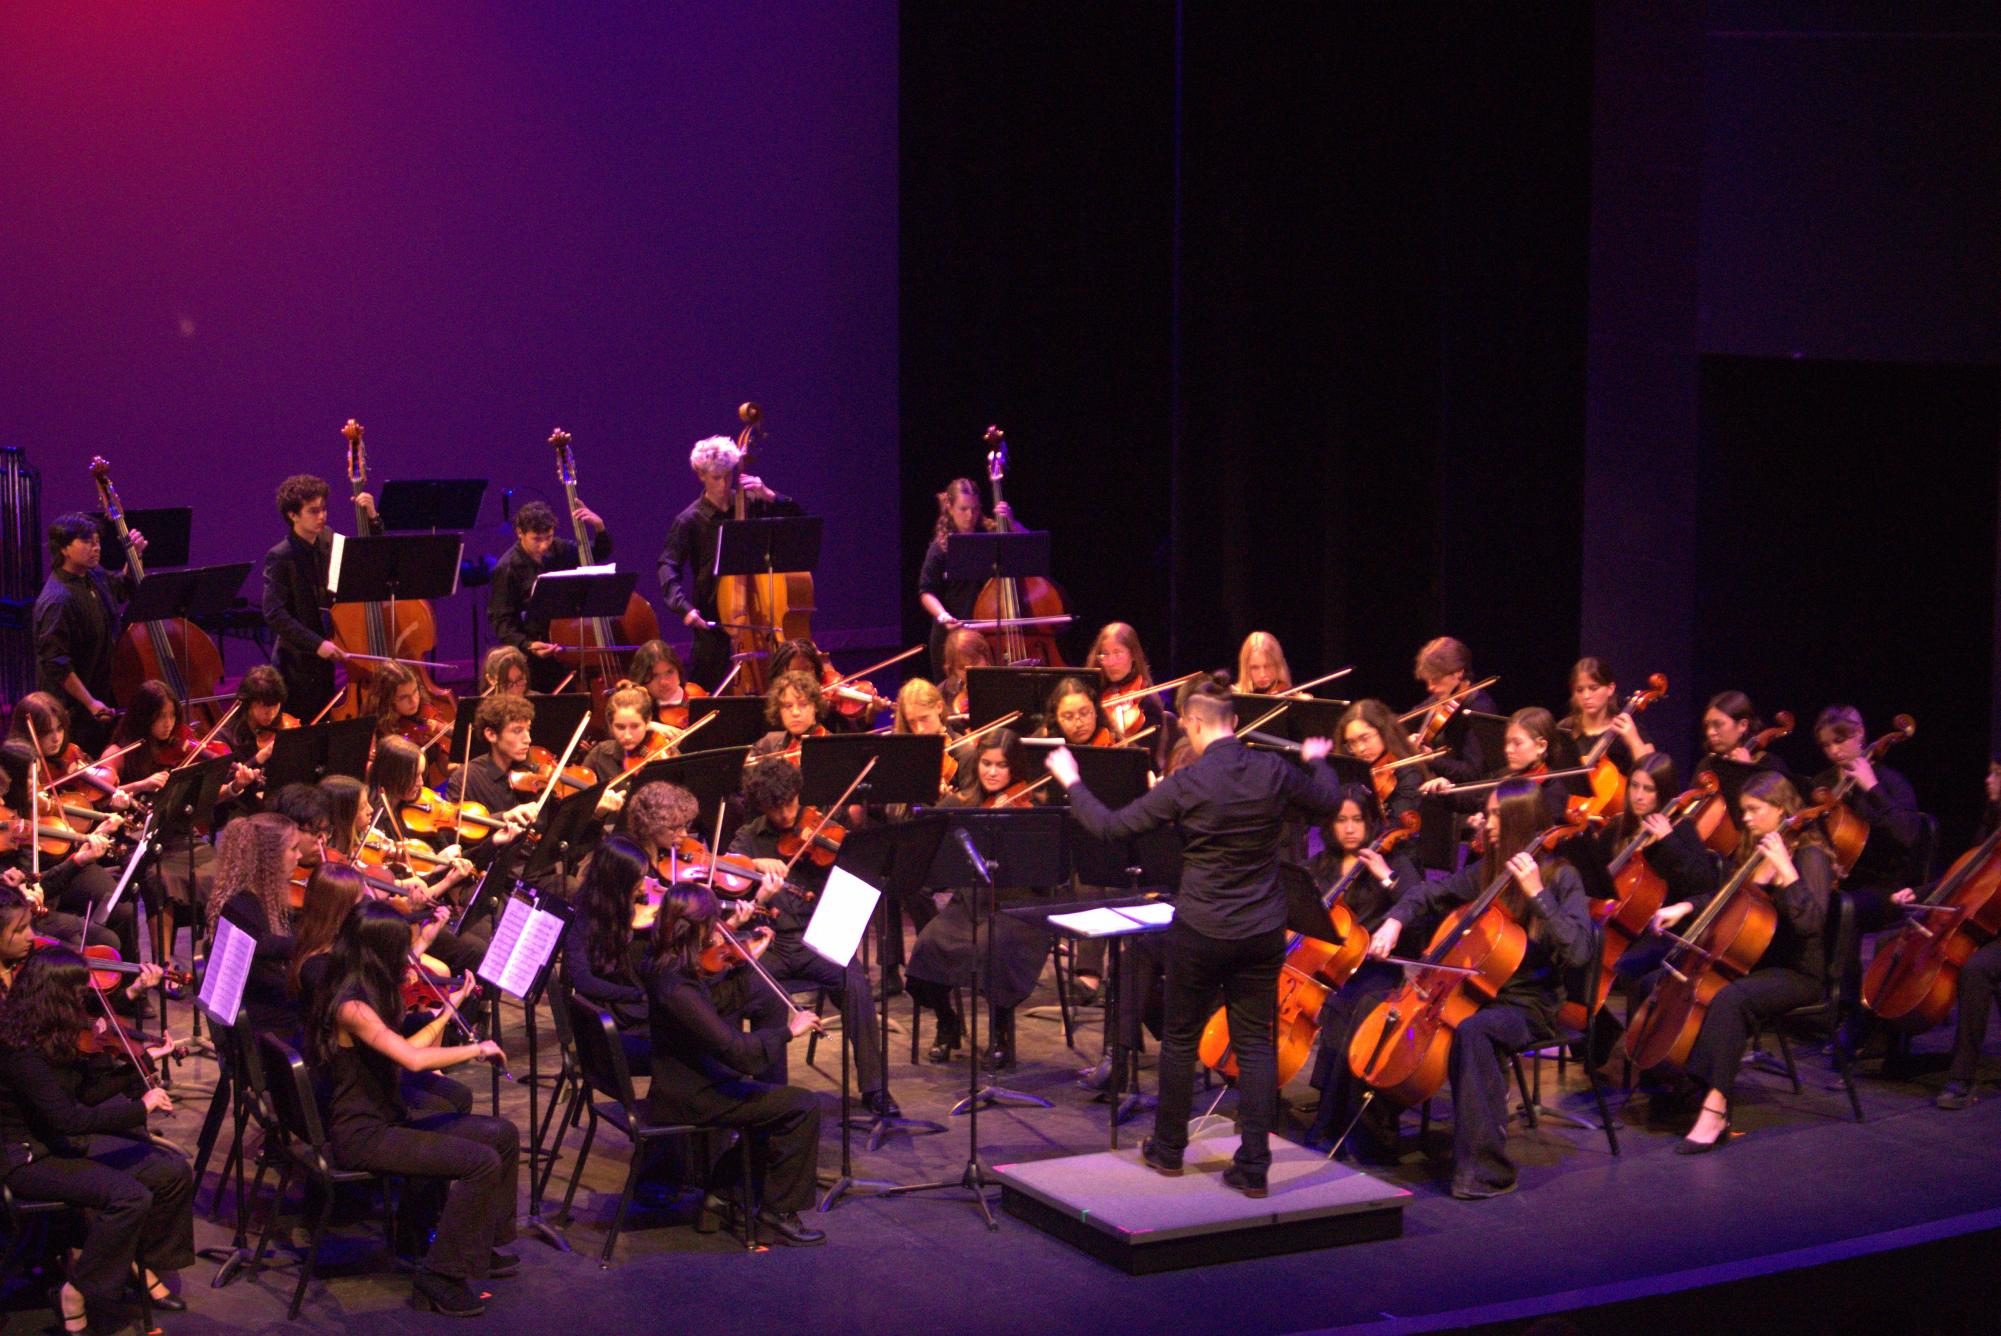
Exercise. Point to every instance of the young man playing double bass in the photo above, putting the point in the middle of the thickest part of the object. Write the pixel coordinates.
(296, 597)
(536, 552)
(1229, 917)
(76, 625)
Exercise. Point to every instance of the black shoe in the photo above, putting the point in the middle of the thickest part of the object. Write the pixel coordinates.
(892, 982)
(951, 1034)
(1687, 1147)
(162, 1303)
(1250, 1182)
(500, 1264)
(1086, 995)
(1956, 1095)
(1156, 1159)
(1471, 1190)
(715, 1212)
(1000, 1049)
(790, 1229)
(1097, 1078)
(443, 1294)
(882, 1104)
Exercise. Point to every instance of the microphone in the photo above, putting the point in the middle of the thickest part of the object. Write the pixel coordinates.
(980, 864)
(507, 503)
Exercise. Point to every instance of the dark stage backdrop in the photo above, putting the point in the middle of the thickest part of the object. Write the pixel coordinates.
(230, 227)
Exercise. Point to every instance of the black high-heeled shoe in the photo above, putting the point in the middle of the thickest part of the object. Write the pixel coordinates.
(1687, 1147)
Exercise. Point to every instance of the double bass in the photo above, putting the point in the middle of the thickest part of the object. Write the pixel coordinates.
(1723, 944)
(405, 629)
(174, 651)
(1022, 612)
(1847, 832)
(1312, 968)
(1401, 1047)
(1913, 978)
(759, 611)
(1607, 781)
(596, 647)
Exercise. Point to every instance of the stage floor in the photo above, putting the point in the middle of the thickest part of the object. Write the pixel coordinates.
(1804, 1176)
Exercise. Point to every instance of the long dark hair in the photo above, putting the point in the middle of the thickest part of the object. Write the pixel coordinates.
(45, 1009)
(1326, 865)
(148, 703)
(396, 767)
(332, 891)
(343, 811)
(682, 930)
(364, 964)
(605, 900)
(1521, 816)
(1006, 740)
(1661, 769)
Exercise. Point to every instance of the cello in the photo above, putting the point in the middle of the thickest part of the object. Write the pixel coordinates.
(1723, 944)
(1714, 823)
(175, 651)
(1401, 1047)
(404, 629)
(759, 611)
(1640, 891)
(1608, 782)
(1016, 615)
(596, 646)
(1913, 978)
(1846, 832)
(1312, 968)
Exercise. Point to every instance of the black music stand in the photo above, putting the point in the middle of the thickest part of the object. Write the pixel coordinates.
(767, 546)
(569, 830)
(531, 997)
(1304, 717)
(712, 776)
(993, 692)
(742, 721)
(408, 504)
(900, 768)
(556, 720)
(1019, 554)
(197, 593)
(308, 754)
(386, 568)
(167, 531)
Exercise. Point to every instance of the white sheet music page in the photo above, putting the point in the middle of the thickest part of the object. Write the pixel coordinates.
(842, 916)
(229, 958)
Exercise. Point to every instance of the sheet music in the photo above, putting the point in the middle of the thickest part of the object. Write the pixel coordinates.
(1115, 922)
(229, 958)
(847, 903)
(574, 573)
(513, 917)
(333, 566)
(522, 944)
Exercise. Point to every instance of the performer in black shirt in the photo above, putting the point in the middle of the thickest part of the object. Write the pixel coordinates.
(76, 625)
(536, 551)
(1229, 923)
(1445, 666)
(1979, 976)
(1595, 707)
(296, 598)
(949, 602)
(688, 561)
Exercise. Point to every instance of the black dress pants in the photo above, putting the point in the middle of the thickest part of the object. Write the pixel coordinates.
(1978, 979)
(137, 1197)
(479, 1155)
(789, 959)
(1245, 972)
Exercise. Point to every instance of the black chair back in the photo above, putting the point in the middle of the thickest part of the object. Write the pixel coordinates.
(290, 1088)
(600, 1054)
(1840, 941)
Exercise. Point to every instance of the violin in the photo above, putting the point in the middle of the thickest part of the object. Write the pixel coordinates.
(1715, 824)
(1913, 978)
(53, 832)
(108, 970)
(184, 747)
(676, 715)
(1311, 969)
(265, 737)
(420, 859)
(689, 861)
(853, 698)
(429, 813)
(426, 990)
(1608, 782)
(295, 888)
(1845, 831)
(425, 730)
(81, 782)
(822, 843)
(1383, 772)
(1725, 943)
(1437, 716)
(541, 768)
(1401, 1047)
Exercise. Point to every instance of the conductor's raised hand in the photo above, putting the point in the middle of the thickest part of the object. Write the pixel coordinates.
(1315, 749)
(1063, 765)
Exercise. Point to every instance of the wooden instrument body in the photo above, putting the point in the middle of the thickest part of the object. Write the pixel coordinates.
(588, 641)
(1640, 894)
(760, 611)
(1402, 1046)
(1847, 835)
(1312, 969)
(1010, 600)
(1663, 1029)
(1914, 977)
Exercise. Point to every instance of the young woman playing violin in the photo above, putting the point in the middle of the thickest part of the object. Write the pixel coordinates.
(1376, 883)
(656, 667)
(255, 859)
(1547, 899)
(41, 717)
(600, 954)
(949, 602)
(1261, 666)
(352, 814)
(352, 1041)
(401, 708)
(963, 649)
(628, 716)
(1979, 977)
(60, 874)
(73, 1129)
(706, 1070)
(1368, 732)
(260, 716)
(1798, 876)
(1116, 652)
(1529, 746)
(504, 672)
(1594, 708)
(776, 822)
(1074, 714)
(948, 948)
(78, 884)
(1445, 667)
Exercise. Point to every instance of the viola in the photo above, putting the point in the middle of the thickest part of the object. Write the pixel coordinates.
(1021, 613)
(826, 837)
(1311, 969)
(1401, 1046)
(1383, 771)
(1608, 782)
(265, 737)
(1715, 824)
(1914, 976)
(176, 652)
(108, 970)
(1725, 943)
(596, 646)
(1438, 715)
(541, 768)
(1846, 831)
(428, 813)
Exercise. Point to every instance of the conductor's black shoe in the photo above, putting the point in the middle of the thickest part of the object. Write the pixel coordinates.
(882, 1104)
(1250, 1182)
(1156, 1159)
(1956, 1095)
(790, 1229)
(1474, 1190)
(1098, 1077)
(500, 1263)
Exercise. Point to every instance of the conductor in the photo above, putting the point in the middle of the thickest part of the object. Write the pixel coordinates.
(1229, 920)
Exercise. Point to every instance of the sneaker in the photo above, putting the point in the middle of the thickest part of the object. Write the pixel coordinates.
(1956, 1095)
